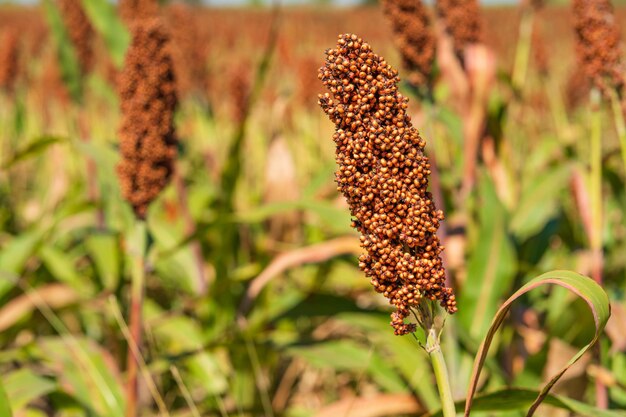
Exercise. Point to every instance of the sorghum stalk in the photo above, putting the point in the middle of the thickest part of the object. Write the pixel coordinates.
(383, 174)
(148, 149)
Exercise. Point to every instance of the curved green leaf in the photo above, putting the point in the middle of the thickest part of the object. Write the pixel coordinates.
(580, 285)
(516, 399)
(34, 148)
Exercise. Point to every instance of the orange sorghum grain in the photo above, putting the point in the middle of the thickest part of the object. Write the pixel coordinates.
(383, 174)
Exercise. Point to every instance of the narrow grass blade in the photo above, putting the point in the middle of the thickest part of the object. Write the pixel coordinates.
(580, 285)
(34, 148)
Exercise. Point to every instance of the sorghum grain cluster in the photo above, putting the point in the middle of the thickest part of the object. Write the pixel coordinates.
(414, 38)
(598, 43)
(8, 59)
(148, 101)
(383, 174)
(462, 21)
(80, 31)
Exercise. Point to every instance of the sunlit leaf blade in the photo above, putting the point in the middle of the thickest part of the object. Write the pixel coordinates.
(103, 16)
(13, 257)
(24, 386)
(87, 370)
(5, 407)
(518, 399)
(68, 60)
(34, 148)
(104, 251)
(63, 268)
(539, 201)
(348, 355)
(580, 285)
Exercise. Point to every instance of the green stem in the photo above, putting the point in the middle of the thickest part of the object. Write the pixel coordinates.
(595, 164)
(441, 373)
(137, 248)
(620, 125)
(522, 53)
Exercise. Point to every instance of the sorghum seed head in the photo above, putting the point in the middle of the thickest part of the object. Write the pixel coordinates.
(148, 101)
(80, 31)
(131, 10)
(598, 43)
(9, 41)
(462, 21)
(383, 174)
(413, 37)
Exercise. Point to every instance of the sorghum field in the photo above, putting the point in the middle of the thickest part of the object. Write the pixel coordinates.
(188, 229)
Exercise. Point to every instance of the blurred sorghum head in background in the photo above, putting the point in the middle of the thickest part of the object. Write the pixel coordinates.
(413, 37)
(462, 21)
(239, 87)
(131, 10)
(598, 44)
(383, 174)
(80, 31)
(147, 91)
(9, 55)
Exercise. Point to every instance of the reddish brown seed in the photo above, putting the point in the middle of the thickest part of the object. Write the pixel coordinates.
(387, 196)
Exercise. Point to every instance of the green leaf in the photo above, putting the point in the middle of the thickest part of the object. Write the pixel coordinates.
(104, 250)
(491, 267)
(103, 16)
(24, 386)
(34, 148)
(539, 201)
(348, 355)
(178, 269)
(62, 267)
(13, 257)
(518, 399)
(88, 372)
(5, 407)
(68, 60)
(582, 286)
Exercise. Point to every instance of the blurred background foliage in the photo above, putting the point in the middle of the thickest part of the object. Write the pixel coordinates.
(255, 304)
